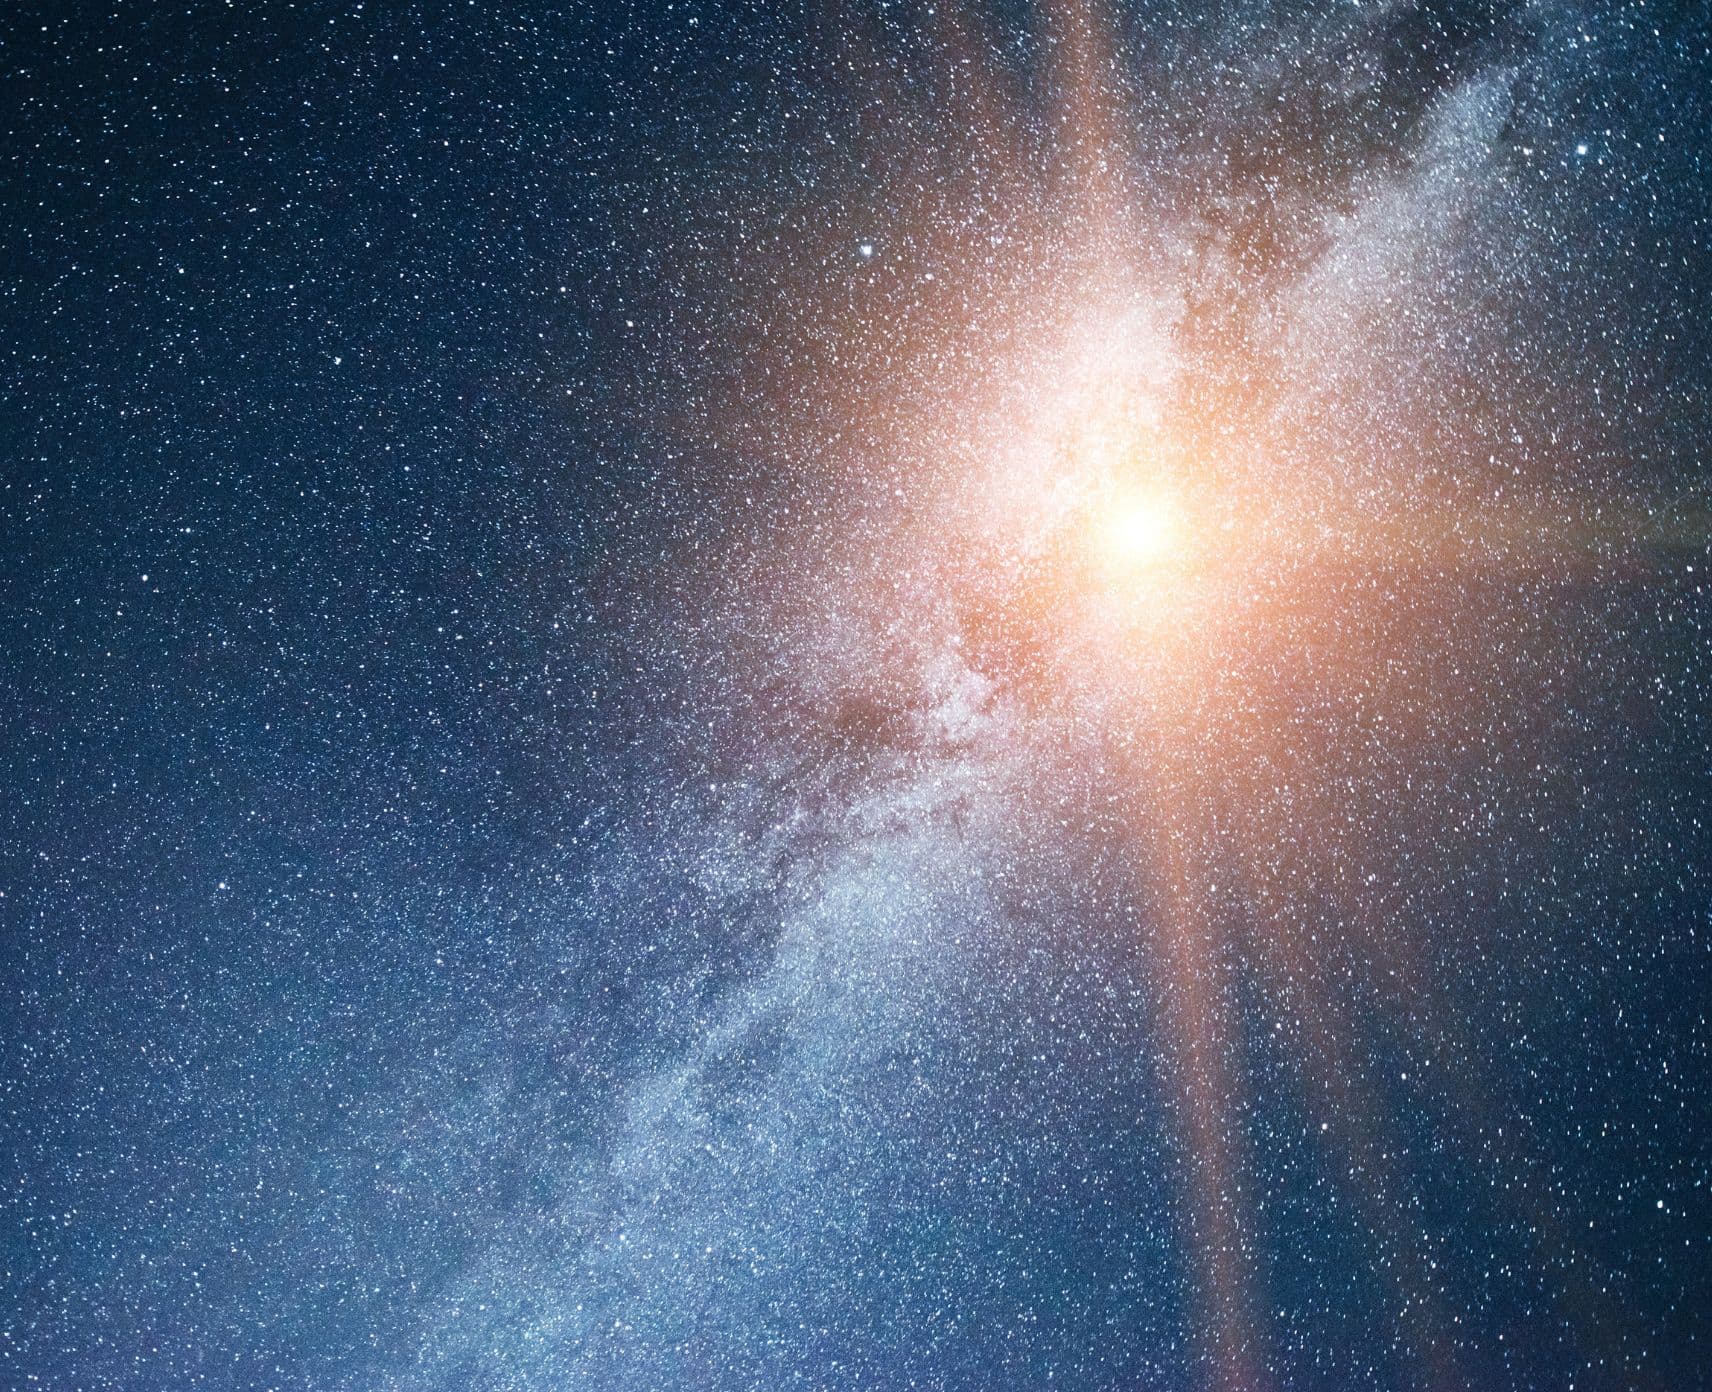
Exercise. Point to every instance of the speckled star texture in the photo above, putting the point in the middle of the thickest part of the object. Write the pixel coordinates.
(855, 696)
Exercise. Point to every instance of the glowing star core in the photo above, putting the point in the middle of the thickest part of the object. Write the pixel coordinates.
(1140, 531)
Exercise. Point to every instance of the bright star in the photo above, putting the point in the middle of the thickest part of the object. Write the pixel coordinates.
(1140, 530)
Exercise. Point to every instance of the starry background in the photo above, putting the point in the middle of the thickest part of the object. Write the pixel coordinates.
(555, 834)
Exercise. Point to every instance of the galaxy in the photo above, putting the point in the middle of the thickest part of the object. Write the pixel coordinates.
(977, 696)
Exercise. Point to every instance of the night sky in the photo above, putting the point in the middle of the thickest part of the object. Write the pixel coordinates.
(856, 696)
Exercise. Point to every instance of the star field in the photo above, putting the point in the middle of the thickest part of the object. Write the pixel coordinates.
(856, 696)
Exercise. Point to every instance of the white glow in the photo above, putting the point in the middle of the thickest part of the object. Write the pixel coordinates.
(1140, 531)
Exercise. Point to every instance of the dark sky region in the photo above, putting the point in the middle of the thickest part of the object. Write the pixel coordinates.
(855, 696)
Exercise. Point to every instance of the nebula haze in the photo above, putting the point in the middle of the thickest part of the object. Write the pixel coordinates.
(890, 696)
